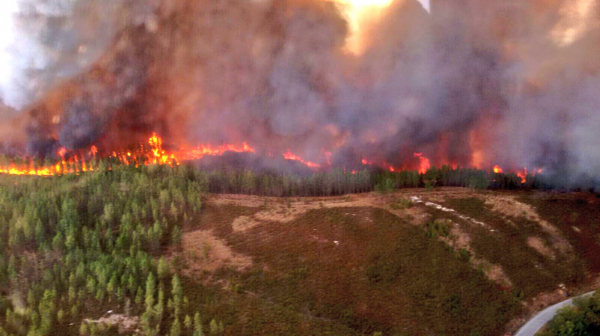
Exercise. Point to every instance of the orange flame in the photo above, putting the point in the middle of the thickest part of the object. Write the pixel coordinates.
(291, 156)
(75, 163)
(62, 152)
(424, 164)
(523, 175)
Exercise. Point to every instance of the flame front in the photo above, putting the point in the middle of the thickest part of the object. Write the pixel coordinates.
(424, 163)
(291, 156)
(156, 154)
(75, 163)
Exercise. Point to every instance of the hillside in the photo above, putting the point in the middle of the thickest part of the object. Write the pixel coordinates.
(397, 263)
(153, 249)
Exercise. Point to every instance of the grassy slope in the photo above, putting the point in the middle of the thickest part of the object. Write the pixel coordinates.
(530, 272)
(385, 275)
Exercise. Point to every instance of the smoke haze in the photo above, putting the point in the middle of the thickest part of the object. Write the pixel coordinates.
(472, 83)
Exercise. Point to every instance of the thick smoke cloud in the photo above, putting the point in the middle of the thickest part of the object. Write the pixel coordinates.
(46, 41)
(472, 82)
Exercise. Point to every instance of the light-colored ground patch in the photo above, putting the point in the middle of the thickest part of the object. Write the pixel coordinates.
(510, 206)
(244, 223)
(285, 210)
(538, 245)
(125, 323)
(458, 240)
(494, 272)
(204, 252)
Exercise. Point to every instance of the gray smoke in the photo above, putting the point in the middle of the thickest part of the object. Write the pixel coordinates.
(516, 81)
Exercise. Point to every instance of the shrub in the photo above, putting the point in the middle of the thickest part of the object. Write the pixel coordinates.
(437, 228)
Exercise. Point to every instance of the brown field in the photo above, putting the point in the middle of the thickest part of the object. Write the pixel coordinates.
(448, 262)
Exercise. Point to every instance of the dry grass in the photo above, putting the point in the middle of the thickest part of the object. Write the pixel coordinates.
(285, 210)
(296, 250)
(460, 240)
(204, 252)
(537, 244)
(510, 206)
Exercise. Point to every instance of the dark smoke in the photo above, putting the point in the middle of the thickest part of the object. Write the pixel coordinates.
(497, 77)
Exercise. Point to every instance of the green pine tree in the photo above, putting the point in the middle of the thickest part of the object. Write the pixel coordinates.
(175, 328)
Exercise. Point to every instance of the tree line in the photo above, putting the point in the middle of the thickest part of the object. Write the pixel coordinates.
(340, 182)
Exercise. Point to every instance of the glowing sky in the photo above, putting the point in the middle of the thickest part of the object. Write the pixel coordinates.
(354, 10)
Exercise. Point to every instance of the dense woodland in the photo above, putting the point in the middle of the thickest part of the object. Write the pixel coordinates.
(73, 247)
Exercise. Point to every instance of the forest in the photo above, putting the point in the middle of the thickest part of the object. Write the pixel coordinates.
(72, 247)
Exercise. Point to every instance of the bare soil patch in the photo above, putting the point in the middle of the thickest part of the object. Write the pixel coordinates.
(204, 252)
(538, 245)
(511, 206)
(124, 322)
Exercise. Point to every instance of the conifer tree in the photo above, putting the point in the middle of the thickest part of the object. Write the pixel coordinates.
(150, 290)
(197, 324)
(175, 328)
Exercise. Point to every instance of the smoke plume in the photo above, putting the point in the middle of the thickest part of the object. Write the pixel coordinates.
(471, 83)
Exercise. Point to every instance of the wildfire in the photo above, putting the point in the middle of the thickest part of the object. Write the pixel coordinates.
(14, 170)
(291, 156)
(202, 150)
(388, 167)
(523, 175)
(154, 153)
(383, 165)
(355, 11)
(424, 164)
